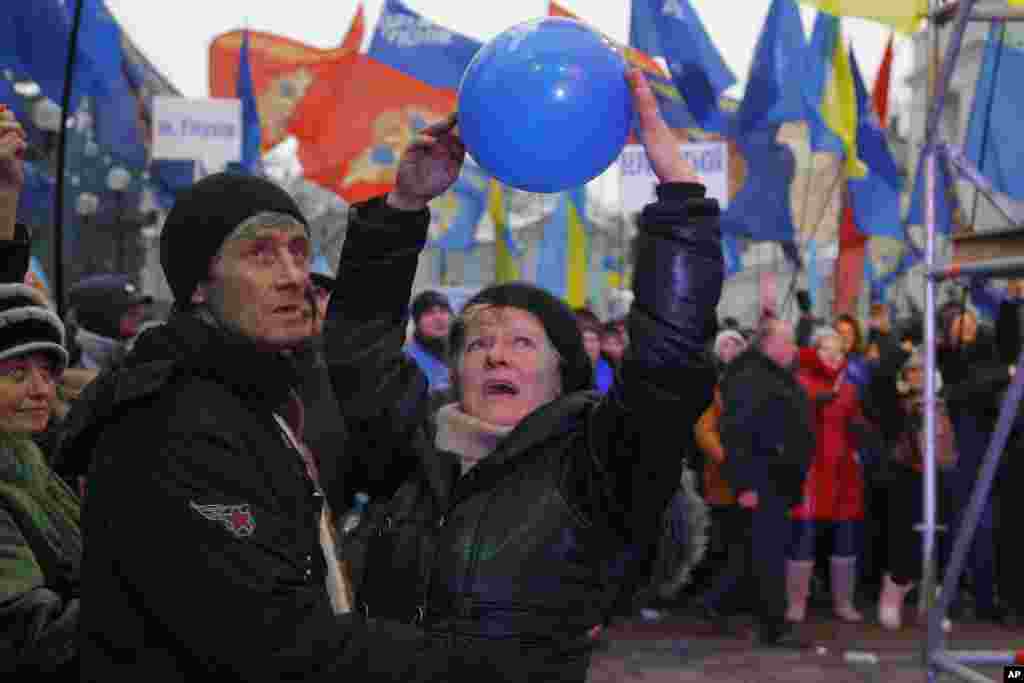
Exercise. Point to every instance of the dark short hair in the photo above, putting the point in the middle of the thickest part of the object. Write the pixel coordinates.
(556, 317)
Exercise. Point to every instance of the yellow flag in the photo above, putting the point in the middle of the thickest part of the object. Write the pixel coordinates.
(576, 254)
(505, 267)
(903, 15)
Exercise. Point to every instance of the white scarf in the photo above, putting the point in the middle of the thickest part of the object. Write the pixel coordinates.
(469, 438)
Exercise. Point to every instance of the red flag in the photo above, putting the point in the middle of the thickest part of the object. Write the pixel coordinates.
(880, 93)
(354, 38)
(352, 134)
(849, 273)
(284, 72)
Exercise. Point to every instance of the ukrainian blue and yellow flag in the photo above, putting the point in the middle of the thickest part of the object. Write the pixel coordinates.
(506, 251)
(562, 264)
(832, 92)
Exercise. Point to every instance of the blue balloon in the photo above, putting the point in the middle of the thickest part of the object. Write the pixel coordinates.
(545, 106)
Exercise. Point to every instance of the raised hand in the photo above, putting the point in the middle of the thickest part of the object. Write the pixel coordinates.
(12, 151)
(429, 166)
(661, 143)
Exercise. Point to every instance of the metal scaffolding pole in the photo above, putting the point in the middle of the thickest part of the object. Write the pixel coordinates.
(936, 657)
(935, 637)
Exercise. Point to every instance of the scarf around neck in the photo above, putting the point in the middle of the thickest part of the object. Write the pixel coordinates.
(37, 496)
(469, 438)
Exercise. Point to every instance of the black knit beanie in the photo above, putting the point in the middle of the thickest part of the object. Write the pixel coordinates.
(204, 215)
(426, 300)
(559, 324)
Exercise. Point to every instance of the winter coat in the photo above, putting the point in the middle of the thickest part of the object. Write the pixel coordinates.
(717, 490)
(40, 558)
(900, 419)
(975, 377)
(834, 488)
(16, 255)
(202, 524)
(509, 565)
(766, 427)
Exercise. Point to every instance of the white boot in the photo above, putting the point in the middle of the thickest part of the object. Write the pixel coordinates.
(844, 578)
(890, 602)
(798, 586)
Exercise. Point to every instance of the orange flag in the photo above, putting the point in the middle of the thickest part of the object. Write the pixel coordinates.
(284, 73)
(849, 273)
(351, 137)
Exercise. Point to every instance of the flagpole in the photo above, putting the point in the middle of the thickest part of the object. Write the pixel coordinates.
(62, 141)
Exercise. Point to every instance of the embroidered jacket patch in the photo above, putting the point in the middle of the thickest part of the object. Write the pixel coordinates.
(237, 519)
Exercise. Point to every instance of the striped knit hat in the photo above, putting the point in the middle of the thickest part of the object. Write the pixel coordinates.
(28, 325)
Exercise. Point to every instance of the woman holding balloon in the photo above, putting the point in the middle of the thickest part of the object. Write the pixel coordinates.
(529, 503)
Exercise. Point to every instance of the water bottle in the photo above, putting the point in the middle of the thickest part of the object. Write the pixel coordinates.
(354, 516)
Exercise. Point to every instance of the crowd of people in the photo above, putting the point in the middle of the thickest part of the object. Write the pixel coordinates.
(839, 417)
(181, 518)
(172, 491)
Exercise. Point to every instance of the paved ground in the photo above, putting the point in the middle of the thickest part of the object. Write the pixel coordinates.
(681, 649)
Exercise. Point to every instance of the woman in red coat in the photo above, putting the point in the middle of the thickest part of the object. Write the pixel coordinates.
(834, 488)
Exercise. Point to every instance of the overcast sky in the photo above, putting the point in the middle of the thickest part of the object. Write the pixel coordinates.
(176, 36)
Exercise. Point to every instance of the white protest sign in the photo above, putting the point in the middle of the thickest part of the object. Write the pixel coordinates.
(710, 159)
(202, 129)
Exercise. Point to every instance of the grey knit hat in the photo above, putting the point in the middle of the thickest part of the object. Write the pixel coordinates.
(28, 325)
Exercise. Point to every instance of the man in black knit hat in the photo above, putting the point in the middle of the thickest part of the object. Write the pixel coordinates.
(431, 318)
(211, 548)
(106, 311)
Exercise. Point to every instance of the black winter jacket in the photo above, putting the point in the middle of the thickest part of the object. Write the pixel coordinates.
(766, 427)
(509, 565)
(16, 255)
(202, 555)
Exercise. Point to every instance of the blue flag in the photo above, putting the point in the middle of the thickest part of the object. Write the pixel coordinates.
(671, 29)
(101, 74)
(775, 87)
(420, 48)
(459, 210)
(35, 37)
(993, 136)
(876, 196)
(731, 255)
(761, 209)
(250, 115)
